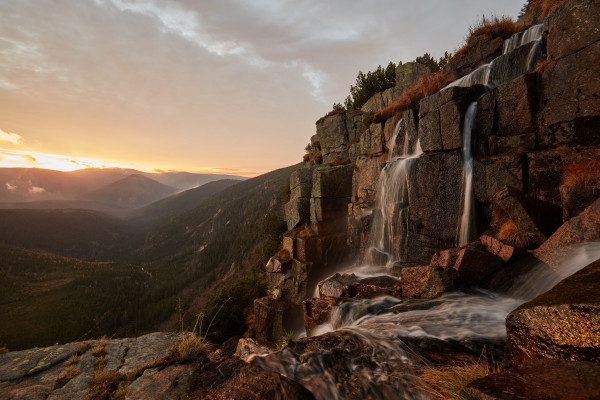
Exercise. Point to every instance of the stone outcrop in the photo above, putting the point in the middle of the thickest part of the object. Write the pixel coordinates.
(349, 286)
(421, 282)
(563, 323)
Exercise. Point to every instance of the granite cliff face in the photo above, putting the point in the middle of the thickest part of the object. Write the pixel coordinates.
(394, 227)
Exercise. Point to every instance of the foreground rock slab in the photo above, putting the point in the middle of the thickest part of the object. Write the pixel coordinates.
(563, 323)
(542, 380)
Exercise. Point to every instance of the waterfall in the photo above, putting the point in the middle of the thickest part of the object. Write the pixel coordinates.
(466, 218)
(480, 76)
(391, 205)
(519, 39)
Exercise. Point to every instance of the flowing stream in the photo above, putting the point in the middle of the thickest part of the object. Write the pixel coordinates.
(465, 226)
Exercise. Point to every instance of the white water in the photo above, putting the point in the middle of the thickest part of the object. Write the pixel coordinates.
(465, 226)
(519, 39)
(391, 205)
(479, 76)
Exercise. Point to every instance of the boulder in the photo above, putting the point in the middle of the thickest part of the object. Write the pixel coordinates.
(473, 265)
(575, 199)
(335, 286)
(172, 382)
(349, 286)
(583, 228)
(287, 278)
(316, 312)
(422, 282)
(444, 261)
(269, 318)
(496, 247)
(492, 174)
(146, 349)
(563, 323)
(247, 347)
(541, 380)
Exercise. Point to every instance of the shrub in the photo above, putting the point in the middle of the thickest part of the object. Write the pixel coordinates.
(510, 233)
(271, 234)
(367, 85)
(539, 9)
(451, 382)
(490, 28)
(584, 172)
(426, 86)
(431, 63)
(232, 304)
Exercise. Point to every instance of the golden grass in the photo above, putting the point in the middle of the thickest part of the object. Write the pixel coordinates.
(3, 350)
(65, 376)
(426, 86)
(100, 363)
(190, 346)
(104, 385)
(541, 8)
(510, 233)
(83, 347)
(490, 28)
(73, 360)
(583, 172)
(451, 382)
(103, 341)
(99, 351)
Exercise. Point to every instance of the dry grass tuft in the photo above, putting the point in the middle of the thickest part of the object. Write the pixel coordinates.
(104, 385)
(83, 347)
(3, 350)
(100, 363)
(584, 172)
(190, 346)
(99, 351)
(488, 29)
(541, 66)
(539, 9)
(451, 382)
(65, 376)
(511, 234)
(426, 86)
(103, 341)
(73, 360)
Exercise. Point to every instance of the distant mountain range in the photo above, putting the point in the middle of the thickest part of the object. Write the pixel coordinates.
(34, 184)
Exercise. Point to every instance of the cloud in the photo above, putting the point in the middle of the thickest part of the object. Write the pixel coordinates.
(10, 187)
(10, 137)
(36, 190)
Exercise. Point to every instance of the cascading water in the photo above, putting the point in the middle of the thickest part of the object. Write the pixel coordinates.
(479, 76)
(466, 220)
(391, 205)
(534, 33)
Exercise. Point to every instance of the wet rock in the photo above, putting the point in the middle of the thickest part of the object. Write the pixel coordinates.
(444, 261)
(541, 380)
(269, 317)
(410, 119)
(430, 136)
(583, 228)
(496, 247)
(231, 378)
(174, 382)
(348, 286)
(247, 347)
(492, 174)
(146, 349)
(473, 264)
(454, 102)
(434, 199)
(324, 209)
(421, 282)
(518, 62)
(316, 312)
(464, 63)
(336, 285)
(306, 249)
(563, 323)
(346, 365)
(297, 211)
(517, 107)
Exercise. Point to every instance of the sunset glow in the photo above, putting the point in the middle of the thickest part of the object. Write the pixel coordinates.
(30, 159)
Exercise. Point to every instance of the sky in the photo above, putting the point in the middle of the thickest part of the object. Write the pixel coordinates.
(227, 86)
